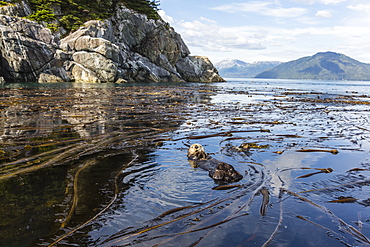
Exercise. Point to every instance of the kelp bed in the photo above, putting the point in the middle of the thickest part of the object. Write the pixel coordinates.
(103, 165)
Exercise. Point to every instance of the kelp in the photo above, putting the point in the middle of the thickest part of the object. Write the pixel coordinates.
(226, 133)
(116, 191)
(333, 151)
(345, 226)
(78, 129)
(222, 204)
(226, 187)
(75, 194)
(344, 199)
(322, 170)
(266, 199)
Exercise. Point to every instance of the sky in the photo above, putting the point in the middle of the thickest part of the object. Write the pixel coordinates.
(271, 30)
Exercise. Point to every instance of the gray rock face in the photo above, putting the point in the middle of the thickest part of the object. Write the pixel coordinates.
(26, 50)
(20, 9)
(126, 47)
(198, 69)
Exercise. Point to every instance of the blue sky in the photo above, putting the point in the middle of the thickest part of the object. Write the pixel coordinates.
(271, 30)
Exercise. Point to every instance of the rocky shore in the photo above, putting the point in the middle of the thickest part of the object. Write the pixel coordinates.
(128, 47)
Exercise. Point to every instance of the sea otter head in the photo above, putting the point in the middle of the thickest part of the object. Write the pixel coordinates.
(197, 152)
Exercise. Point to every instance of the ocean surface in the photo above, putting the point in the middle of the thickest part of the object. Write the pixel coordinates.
(106, 164)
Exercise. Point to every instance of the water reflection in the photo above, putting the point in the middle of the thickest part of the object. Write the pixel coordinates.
(284, 168)
(89, 132)
(95, 165)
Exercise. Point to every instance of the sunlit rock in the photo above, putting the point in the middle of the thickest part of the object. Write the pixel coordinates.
(127, 46)
(27, 49)
(198, 69)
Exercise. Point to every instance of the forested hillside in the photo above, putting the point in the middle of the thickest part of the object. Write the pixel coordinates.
(71, 14)
(321, 66)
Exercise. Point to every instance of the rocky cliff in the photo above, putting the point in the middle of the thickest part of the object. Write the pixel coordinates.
(128, 47)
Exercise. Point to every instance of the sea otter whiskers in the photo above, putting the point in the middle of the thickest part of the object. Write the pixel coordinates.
(219, 171)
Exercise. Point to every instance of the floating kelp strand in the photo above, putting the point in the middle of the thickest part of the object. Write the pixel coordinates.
(35, 143)
(333, 151)
(191, 231)
(265, 201)
(50, 162)
(74, 149)
(257, 186)
(116, 191)
(344, 199)
(227, 133)
(357, 170)
(257, 122)
(196, 228)
(28, 159)
(14, 168)
(326, 170)
(235, 196)
(364, 181)
(75, 193)
(290, 136)
(171, 211)
(348, 228)
(325, 228)
(254, 188)
(277, 226)
(227, 187)
(149, 228)
(11, 155)
(18, 165)
(307, 168)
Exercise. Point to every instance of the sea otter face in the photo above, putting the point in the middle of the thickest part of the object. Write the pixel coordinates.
(197, 152)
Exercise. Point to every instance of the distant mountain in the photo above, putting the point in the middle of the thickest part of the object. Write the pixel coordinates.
(321, 66)
(237, 68)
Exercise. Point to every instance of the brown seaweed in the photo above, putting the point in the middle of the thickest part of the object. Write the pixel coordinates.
(116, 191)
(265, 201)
(333, 151)
(325, 170)
(344, 199)
(226, 187)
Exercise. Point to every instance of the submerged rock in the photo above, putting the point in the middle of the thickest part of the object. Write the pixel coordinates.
(126, 47)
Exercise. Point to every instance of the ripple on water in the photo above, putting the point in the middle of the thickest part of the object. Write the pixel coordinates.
(87, 139)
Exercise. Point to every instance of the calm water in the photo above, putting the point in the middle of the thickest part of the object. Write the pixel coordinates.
(99, 165)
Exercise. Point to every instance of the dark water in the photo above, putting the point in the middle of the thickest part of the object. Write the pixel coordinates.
(95, 165)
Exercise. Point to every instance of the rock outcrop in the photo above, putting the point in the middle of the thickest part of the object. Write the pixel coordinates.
(26, 48)
(126, 47)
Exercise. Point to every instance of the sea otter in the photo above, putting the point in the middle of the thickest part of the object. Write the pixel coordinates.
(219, 171)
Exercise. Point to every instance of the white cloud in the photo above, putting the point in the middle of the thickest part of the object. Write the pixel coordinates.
(263, 8)
(326, 2)
(360, 7)
(346, 32)
(165, 17)
(209, 35)
(324, 14)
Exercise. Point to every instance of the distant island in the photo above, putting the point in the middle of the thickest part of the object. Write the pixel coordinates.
(321, 66)
(234, 68)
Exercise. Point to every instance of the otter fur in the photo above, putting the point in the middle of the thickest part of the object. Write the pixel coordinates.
(219, 171)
